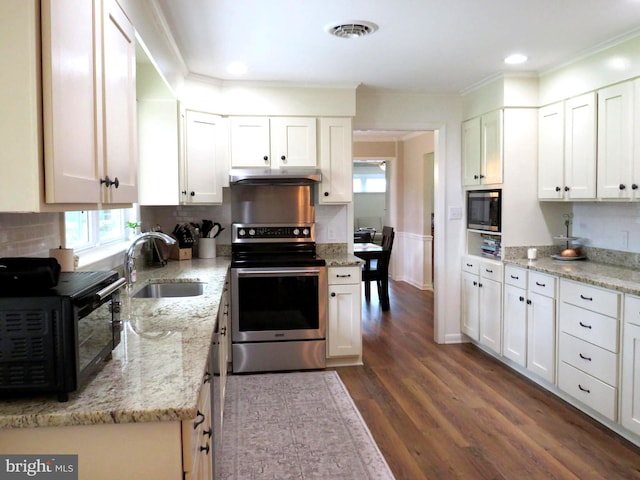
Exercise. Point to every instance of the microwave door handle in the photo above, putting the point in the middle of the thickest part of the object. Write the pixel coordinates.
(108, 290)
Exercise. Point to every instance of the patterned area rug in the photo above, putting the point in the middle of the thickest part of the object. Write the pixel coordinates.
(298, 425)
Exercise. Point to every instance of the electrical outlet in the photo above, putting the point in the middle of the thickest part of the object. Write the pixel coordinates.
(331, 234)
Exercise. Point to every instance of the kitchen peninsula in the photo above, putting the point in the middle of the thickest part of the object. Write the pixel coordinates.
(128, 421)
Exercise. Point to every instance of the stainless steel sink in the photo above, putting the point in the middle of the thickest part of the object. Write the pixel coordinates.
(170, 289)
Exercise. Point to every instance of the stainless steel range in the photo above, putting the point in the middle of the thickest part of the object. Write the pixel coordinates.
(278, 283)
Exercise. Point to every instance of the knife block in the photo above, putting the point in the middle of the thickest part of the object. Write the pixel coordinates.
(178, 253)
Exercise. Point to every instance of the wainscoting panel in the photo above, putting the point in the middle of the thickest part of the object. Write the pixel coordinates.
(411, 260)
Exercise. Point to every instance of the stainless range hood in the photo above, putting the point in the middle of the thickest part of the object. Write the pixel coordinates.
(273, 176)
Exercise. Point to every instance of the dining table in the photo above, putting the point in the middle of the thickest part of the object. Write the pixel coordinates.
(367, 252)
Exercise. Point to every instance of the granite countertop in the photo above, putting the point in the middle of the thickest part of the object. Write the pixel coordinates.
(342, 260)
(614, 277)
(156, 372)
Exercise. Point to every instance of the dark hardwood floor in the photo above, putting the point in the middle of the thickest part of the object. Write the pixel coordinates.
(451, 411)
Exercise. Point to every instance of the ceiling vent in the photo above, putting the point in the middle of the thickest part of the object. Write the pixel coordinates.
(352, 29)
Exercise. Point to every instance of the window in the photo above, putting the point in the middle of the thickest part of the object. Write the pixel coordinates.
(369, 178)
(94, 228)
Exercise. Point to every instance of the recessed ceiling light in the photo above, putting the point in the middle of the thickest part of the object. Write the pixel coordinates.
(237, 68)
(515, 59)
(352, 29)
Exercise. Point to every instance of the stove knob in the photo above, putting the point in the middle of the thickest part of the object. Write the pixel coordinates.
(305, 232)
(296, 232)
(241, 232)
(252, 232)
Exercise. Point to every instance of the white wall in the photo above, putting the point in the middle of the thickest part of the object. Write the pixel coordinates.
(614, 226)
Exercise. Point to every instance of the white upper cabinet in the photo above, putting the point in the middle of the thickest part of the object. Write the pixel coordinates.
(615, 142)
(551, 152)
(118, 106)
(69, 95)
(86, 130)
(567, 149)
(336, 161)
(204, 168)
(293, 142)
(482, 150)
(580, 147)
(276, 142)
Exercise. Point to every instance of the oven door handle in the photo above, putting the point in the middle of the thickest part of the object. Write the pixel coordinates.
(279, 272)
(108, 290)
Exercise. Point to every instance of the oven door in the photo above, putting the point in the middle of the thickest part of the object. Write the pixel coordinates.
(278, 304)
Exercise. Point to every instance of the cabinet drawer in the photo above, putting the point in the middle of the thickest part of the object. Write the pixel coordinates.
(596, 299)
(589, 358)
(491, 271)
(632, 309)
(515, 276)
(588, 390)
(543, 284)
(471, 265)
(590, 326)
(342, 275)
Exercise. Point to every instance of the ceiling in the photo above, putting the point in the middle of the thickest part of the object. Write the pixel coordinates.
(424, 46)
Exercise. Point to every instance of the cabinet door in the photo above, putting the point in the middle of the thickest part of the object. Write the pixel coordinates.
(490, 307)
(250, 142)
(515, 325)
(541, 336)
(470, 319)
(471, 152)
(336, 161)
(72, 171)
(630, 404)
(204, 162)
(551, 152)
(491, 158)
(293, 142)
(580, 147)
(119, 105)
(344, 333)
(615, 141)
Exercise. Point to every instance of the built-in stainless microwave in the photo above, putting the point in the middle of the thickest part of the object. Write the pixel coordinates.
(484, 210)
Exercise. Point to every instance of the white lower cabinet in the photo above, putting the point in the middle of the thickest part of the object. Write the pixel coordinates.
(344, 325)
(481, 318)
(589, 346)
(529, 321)
(630, 387)
(197, 438)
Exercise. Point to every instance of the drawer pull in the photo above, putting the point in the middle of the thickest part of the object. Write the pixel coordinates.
(541, 284)
(488, 270)
(586, 298)
(585, 326)
(348, 275)
(586, 390)
(469, 264)
(584, 358)
(515, 277)
(199, 420)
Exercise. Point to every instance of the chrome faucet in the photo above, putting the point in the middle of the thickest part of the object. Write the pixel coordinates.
(130, 253)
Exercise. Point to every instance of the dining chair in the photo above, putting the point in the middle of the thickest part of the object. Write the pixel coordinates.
(378, 270)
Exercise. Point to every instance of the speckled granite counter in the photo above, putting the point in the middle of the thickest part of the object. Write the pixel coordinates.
(342, 260)
(598, 274)
(156, 372)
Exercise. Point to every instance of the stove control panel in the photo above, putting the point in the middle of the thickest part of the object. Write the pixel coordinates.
(273, 233)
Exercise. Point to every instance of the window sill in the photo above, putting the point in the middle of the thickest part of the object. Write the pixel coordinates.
(109, 257)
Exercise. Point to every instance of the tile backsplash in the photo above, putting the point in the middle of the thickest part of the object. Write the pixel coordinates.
(29, 234)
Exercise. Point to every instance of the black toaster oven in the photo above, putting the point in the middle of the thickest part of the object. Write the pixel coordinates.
(52, 340)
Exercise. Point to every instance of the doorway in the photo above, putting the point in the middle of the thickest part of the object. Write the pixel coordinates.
(407, 203)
